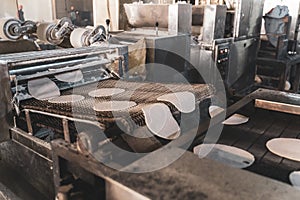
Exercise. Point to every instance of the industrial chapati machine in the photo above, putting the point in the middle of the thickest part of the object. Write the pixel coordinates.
(54, 71)
(226, 43)
(78, 145)
(31, 120)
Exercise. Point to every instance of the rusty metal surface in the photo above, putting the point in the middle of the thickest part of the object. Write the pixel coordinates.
(193, 178)
(5, 102)
(187, 178)
(34, 168)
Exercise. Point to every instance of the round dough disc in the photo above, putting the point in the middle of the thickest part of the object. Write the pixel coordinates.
(227, 155)
(295, 179)
(183, 101)
(66, 99)
(70, 77)
(105, 92)
(43, 89)
(110, 106)
(285, 147)
(236, 119)
(214, 110)
(160, 121)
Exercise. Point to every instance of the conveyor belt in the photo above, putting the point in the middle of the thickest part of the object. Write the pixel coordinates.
(263, 126)
(141, 93)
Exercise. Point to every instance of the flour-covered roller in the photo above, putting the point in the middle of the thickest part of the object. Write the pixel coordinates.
(87, 36)
(54, 32)
(9, 28)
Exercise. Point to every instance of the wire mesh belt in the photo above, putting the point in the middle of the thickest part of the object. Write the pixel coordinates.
(141, 93)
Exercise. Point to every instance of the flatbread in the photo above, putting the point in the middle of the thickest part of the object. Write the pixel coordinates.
(227, 155)
(295, 179)
(70, 77)
(214, 111)
(110, 106)
(160, 121)
(236, 119)
(43, 89)
(105, 92)
(66, 99)
(183, 101)
(285, 147)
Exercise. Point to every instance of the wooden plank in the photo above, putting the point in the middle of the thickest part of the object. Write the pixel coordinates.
(277, 106)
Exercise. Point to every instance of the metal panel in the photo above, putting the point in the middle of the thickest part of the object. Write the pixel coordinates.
(242, 61)
(180, 18)
(248, 15)
(172, 51)
(214, 22)
(5, 102)
(34, 167)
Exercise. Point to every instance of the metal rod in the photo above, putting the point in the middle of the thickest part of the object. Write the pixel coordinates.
(32, 59)
(69, 118)
(66, 130)
(64, 70)
(28, 121)
(52, 66)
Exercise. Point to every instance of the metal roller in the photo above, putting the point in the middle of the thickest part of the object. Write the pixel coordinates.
(9, 29)
(54, 33)
(81, 37)
(45, 32)
(78, 37)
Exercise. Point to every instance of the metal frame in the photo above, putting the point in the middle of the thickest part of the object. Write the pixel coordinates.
(65, 122)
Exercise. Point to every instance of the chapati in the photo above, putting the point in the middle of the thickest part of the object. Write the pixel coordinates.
(183, 101)
(285, 147)
(295, 179)
(70, 77)
(214, 110)
(236, 119)
(43, 89)
(160, 121)
(227, 155)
